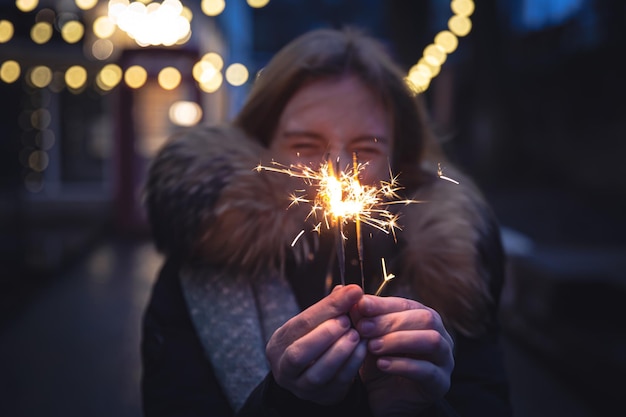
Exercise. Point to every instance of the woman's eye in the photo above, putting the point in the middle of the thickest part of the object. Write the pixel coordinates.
(367, 152)
(305, 148)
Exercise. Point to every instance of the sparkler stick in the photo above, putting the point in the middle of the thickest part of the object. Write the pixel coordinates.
(357, 221)
(340, 198)
(338, 221)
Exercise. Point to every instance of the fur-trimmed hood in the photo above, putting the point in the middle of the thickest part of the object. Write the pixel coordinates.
(205, 200)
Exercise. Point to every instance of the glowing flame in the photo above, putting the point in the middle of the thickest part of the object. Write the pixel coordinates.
(341, 198)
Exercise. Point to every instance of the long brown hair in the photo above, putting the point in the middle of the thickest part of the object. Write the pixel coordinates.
(330, 53)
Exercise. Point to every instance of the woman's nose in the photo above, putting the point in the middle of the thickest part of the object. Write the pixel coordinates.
(341, 160)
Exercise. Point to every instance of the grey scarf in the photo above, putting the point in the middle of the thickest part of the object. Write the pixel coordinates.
(234, 319)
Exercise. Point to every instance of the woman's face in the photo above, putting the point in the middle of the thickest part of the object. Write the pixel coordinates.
(335, 118)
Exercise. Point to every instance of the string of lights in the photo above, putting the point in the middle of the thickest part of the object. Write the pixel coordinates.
(144, 22)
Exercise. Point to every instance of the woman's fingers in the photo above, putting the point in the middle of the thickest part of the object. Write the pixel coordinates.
(330, 366)
(300, 354)
(418, 344)
(337, 303)
(384, 315)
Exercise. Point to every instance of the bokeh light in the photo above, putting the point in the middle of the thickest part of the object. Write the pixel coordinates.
(45, 139)
(75, 77)
(434, 54)
(153, 24)
(237, 74)
(10, 71)
(72, 31)
(40, 119)
(185, 113)
(41, 32)
(103, 27)
(38, 160)
(135, 76)
(86, 4)
(447, 41)
(213, 84)
(257, 4)
(462, 7)
(26, 5)
(169, 78)
(460, 25)
(212, 7)
(40, 76)
(102, 49)
(109, 77)
(6, 31)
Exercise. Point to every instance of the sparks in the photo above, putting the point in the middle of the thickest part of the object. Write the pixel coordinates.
(443, 177)
(386, 278)
(340, 198)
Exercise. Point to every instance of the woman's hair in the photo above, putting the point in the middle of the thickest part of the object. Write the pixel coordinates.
(329, 53)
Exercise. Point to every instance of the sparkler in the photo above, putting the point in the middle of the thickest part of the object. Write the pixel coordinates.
(341, 198)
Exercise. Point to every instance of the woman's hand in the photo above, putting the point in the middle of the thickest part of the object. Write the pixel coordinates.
(316, 355)
(410, 357)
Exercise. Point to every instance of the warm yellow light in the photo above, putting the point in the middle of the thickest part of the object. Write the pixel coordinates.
(26, 5)
(257, 4)
(422, 69)
(185, 113)
(169, 78)
(213, 84)
(434, 69)
(45, 139)
(462, 7)
(86, 4)
(38, 161)
(154, 24)
(103, 27)
(41, 32)
(102, 49)
(447, 41)
(75, 77)
(72, 31)
(213, 7)
(40, 119)
(109, 76)
(434, 54)
(237, 74)
(460, 25)
(187, 13)
(41, 76)
(135, 76)
(6, 31)
(215, 59)
(10, 71)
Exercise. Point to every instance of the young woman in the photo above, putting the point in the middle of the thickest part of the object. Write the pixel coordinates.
(241, 322)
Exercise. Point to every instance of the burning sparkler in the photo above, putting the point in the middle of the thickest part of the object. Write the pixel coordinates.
(341, 198)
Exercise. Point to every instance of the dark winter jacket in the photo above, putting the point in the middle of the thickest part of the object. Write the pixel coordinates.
(231, 278)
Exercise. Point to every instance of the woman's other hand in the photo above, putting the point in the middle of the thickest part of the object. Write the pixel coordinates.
(410, 354)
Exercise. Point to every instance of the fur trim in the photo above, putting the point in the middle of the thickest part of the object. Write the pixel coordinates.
(441, 254)
(205, 197)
